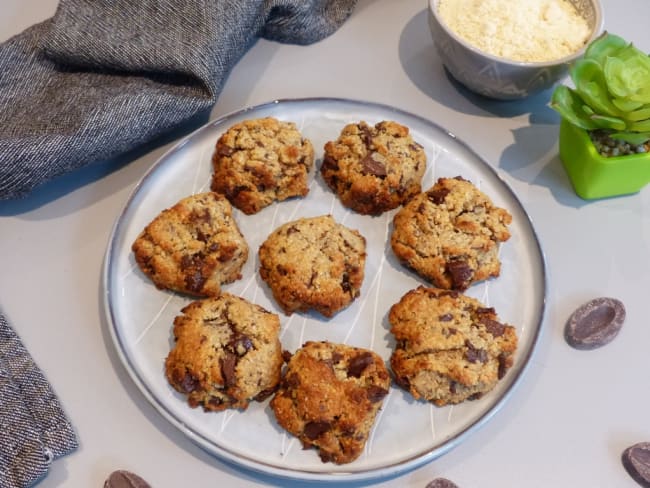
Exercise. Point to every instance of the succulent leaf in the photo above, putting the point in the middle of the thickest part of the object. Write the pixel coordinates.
(591, 85)
(641, 126)
(606, 45)
(570, 106)
(612, 90)
(626, 105)
(632, 138)
(638, 115)
(588, 110)
(606, 122)
(629, 78)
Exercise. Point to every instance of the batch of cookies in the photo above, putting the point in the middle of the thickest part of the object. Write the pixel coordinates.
(449, 347)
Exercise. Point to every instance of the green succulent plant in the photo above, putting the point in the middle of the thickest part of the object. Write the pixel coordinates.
(612, 90)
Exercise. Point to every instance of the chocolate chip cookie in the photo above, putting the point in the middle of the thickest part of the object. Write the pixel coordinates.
(329, 397)
(313, 263)
(374, 169)
(226, 353)
(260, 161)
(193, 247)
(450, 234)
(449, 347)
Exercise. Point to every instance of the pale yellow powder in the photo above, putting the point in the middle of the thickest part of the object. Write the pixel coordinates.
(520, 30)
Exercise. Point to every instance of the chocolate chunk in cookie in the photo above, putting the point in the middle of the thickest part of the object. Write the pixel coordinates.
(313, 264)
(226, 353)
(260, 161)
(329, 397)
(193, 247)
(374, 168)
(449, 347)
(450, 234)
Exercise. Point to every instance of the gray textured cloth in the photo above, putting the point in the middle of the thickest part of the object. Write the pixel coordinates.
(103, 76)
(34, 430)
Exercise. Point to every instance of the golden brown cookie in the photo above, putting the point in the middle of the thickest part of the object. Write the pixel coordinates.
(374, 169)
(260, 161)
(449, 347)
(193, 247)
(329, 398)
(313, 263)
(226, 353)
(450, 234)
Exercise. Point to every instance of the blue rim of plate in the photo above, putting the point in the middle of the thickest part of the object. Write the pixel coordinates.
(250, 464)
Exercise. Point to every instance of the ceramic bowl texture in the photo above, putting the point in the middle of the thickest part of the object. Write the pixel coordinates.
(500, 78)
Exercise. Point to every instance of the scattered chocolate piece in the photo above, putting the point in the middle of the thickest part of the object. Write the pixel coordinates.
(441, 483)
(636, 460)
(125, 479)
(595, 323)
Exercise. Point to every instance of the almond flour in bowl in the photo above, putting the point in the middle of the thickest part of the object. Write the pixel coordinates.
(524, 30)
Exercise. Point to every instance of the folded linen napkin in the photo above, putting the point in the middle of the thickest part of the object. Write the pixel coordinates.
(103, 76)
(34, 429)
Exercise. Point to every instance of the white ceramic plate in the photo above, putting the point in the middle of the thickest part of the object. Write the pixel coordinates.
(407, 433)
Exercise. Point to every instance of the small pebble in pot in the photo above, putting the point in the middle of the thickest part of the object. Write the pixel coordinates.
(608, 147)
(636, 460)
(125, 479)
(441, 483)
(595, 323)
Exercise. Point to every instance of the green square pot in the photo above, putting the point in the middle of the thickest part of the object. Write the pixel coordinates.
(594, 176)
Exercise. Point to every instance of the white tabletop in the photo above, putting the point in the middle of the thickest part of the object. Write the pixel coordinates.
(571, 416)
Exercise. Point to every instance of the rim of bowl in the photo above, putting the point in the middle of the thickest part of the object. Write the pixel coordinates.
(595, 32)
